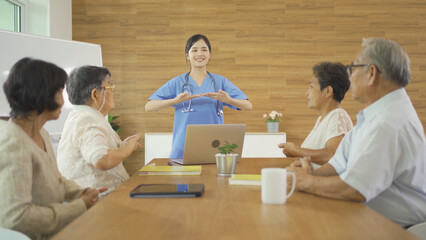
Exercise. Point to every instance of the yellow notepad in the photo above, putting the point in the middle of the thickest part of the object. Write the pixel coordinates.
(170, 170)
(245, 179)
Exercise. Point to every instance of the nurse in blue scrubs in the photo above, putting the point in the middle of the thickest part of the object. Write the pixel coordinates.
(198, 96)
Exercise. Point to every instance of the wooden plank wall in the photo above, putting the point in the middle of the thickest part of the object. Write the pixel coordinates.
(267, 48)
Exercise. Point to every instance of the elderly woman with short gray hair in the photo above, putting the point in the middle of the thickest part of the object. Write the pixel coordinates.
(90, 152)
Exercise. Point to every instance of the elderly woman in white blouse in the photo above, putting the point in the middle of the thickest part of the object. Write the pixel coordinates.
(35, 198)
(90, 152)
(327, 88)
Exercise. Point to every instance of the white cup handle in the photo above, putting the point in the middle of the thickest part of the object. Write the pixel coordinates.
(293, 185)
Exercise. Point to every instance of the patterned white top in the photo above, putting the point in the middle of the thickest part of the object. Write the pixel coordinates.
(87, 137)
(335, 123)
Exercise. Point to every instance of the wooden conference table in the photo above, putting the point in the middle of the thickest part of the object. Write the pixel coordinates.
(227, 212)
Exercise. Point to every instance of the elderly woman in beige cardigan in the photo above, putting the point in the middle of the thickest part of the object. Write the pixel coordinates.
(32, 190)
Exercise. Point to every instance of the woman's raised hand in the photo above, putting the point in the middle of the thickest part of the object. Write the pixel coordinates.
(137, 135)
(290, 149)
(185, 96)
(132, 141)
(220, 95)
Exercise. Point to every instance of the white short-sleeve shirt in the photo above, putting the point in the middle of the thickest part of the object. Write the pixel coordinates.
(87, 137)
(384, 157)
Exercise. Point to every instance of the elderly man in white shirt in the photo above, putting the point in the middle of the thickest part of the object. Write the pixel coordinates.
(382, 160)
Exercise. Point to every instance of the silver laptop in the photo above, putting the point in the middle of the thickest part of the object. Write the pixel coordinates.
(202, 141)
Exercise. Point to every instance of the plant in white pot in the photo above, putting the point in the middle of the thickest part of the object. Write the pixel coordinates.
(226, 159)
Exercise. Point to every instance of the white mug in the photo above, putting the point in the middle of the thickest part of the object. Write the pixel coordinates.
(274, 185)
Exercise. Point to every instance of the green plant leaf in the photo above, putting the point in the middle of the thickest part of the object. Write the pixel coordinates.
(227, 148)
(115, 125)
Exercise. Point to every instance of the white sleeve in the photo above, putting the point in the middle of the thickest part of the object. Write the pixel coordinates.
(373, 160)
(340, 159)
(339, 123)
(92, 140)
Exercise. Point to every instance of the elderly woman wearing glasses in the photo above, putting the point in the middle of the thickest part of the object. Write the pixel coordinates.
(32, 191)
(327, 88)
(90, 152)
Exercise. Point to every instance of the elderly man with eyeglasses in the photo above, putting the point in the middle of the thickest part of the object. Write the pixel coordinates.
(381, 162)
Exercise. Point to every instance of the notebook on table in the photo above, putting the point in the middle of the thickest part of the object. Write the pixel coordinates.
(170, 170)
(202, 141)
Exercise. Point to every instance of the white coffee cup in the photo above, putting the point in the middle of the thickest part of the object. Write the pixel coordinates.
(274, 185)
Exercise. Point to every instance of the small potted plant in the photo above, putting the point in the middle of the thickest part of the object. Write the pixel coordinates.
(272, 121)
(226, 159)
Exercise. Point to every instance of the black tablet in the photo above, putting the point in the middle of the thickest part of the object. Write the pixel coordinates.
(167, 190)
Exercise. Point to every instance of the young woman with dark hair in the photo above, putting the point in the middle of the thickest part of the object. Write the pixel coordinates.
(198, 96)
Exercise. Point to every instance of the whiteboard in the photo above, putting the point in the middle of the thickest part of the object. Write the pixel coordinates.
(64, 53)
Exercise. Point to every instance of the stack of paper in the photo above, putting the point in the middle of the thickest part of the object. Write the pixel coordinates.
(170, 170)
(245, 179)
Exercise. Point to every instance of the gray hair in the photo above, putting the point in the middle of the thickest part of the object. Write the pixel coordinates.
(83, 80)
(390, 59)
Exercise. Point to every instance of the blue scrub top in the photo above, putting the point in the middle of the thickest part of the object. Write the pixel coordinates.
(205, 108)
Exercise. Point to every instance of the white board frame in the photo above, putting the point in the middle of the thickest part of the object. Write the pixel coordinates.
(64, 53)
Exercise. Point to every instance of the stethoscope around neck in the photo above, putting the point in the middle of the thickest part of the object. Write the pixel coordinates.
(187, 87)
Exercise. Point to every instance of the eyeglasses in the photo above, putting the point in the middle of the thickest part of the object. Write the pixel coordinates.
(349, 68)
(109, 87)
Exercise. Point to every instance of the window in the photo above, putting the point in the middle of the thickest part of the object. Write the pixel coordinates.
(12, 13)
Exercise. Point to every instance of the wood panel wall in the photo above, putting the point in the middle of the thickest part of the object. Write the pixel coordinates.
(267, 48)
